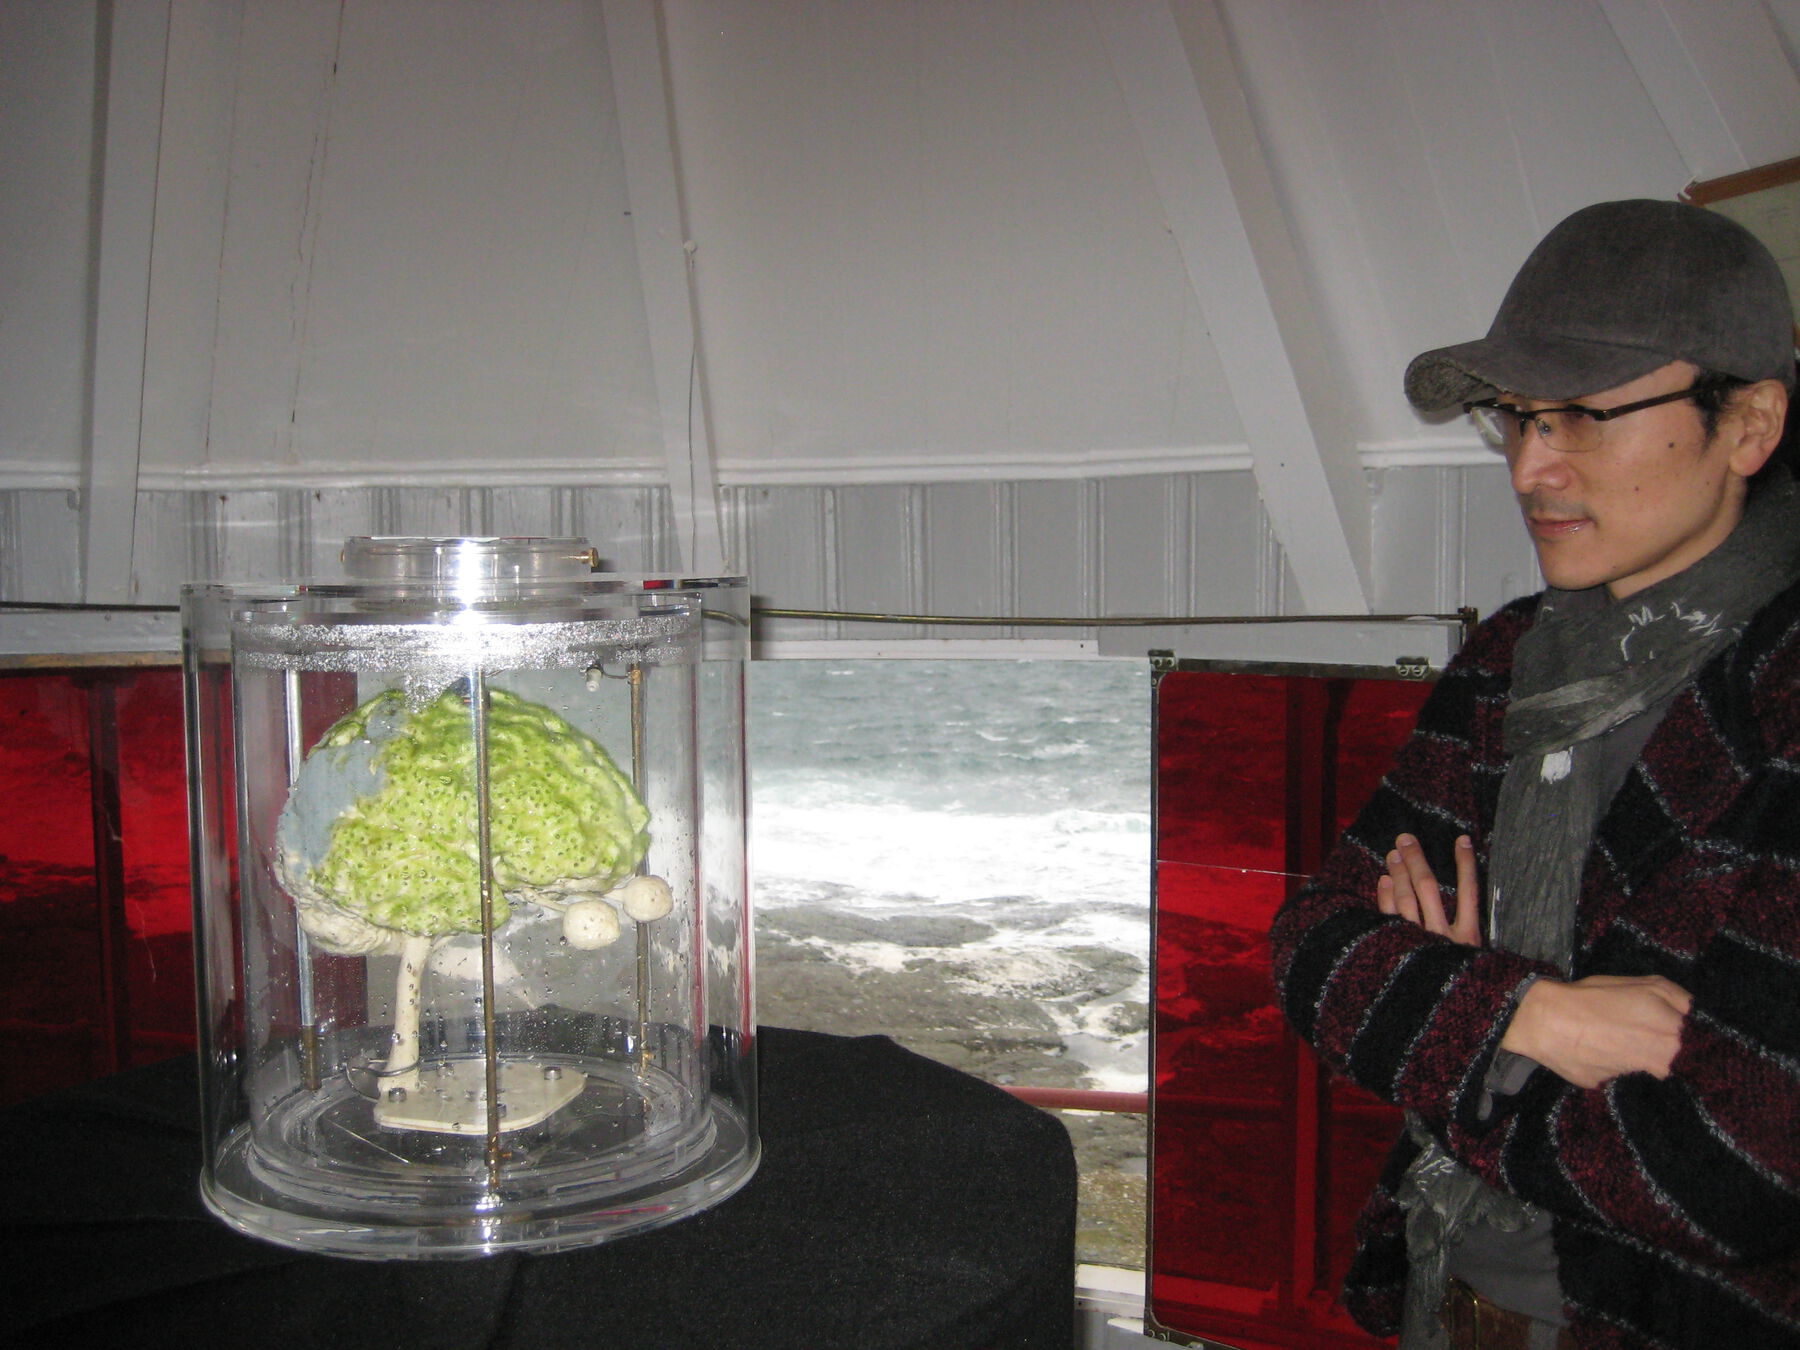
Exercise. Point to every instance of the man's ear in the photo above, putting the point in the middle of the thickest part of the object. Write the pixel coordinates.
(1752, 425)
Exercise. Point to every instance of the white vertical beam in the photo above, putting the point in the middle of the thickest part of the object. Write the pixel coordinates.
(637, 53)
(187, 263)
(1718, 76)
(133, 40)
(1174, 64)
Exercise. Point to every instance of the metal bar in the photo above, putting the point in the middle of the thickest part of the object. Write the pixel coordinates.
(1465, 617)
(1106, 621)
(484, 853)
(1083, 1099)
(309, 1016)
(642, 930)
(90, 606)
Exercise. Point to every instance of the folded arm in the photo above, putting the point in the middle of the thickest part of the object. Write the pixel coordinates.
(1586, 1031)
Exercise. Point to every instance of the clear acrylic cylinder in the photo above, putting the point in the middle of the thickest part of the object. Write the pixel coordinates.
(472, 916)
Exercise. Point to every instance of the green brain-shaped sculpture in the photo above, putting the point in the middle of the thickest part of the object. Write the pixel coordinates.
(380, 825)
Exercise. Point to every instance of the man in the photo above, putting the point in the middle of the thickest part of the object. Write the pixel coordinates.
(1600, 1056)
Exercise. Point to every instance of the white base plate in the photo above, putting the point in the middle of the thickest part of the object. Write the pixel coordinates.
(451, 1097)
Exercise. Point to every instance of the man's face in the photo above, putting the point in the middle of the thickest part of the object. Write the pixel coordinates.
(1654, 496)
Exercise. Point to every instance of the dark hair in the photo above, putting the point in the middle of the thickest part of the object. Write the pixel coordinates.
(1713, 392)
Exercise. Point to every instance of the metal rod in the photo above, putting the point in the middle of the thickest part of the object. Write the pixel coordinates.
(309, 1015)
(1103, 621)
(490, 1054)
(89, 606)
(1465, 616)
(643, 930)
(1083, 1099)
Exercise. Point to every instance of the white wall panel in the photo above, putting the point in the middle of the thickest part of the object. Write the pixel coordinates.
(193, 174)
(426, 255)
(630, 526)
(1447, 537)
(787, 545)
(173, 543)
(1144, 557)
(965, 546)
(1236, 567)
(877, 535)
(1053, 540)
(40, 545)
(1498, 561)
(1720, 79)
(1785, 14)
(46, 161)
(924, 231)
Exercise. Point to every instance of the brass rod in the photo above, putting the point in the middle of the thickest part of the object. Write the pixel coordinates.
(309, 1013)
(478, 707)
(973, 620)
(1097, 621)
(643, 930)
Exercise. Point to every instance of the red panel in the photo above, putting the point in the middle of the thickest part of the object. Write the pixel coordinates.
(1259, 1165)
(53, 984)
(158, 899)
(44, 831)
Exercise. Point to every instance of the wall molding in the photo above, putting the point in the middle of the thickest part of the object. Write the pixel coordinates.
(964, 468)
(1434, 453)
(804, 471)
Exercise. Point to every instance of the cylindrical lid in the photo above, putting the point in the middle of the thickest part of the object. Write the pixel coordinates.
(461, 564)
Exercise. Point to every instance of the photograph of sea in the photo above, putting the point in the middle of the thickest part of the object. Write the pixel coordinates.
(957, 854)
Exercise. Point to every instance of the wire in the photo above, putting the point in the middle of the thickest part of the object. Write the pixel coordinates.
(1466, 617)
(1463, 616)
(60, 605)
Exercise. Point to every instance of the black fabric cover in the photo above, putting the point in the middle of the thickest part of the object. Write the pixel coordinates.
(899, 1204)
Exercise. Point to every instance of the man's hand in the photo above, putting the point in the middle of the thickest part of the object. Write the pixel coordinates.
(1410, 890)
(1587, 1031)
(1595, 1029)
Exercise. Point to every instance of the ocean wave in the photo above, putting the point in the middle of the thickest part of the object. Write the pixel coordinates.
(984, 825)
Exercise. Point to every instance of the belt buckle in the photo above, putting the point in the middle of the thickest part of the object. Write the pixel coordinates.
(1468, 1317)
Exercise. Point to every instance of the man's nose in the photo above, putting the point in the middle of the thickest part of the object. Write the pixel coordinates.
(1535, 464)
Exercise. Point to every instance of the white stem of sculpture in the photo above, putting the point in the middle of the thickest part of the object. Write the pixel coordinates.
(403, 1058)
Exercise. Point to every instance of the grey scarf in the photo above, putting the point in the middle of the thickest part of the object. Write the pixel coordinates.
(1588, 666)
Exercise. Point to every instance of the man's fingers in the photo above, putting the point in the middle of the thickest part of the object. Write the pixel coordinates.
(1673, 994)
(1401, 889)
(1664, 988)
(1410, 890)
(1428, 899)
(1467, 928)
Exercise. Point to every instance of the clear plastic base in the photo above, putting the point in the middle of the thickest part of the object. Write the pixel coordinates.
(631, 1150)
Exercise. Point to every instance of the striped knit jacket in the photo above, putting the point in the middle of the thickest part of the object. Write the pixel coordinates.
(1676, 1203)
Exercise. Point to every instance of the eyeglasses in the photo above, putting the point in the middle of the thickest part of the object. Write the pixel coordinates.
(1571, 429)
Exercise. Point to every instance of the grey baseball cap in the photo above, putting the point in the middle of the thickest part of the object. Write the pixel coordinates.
(1614, 292)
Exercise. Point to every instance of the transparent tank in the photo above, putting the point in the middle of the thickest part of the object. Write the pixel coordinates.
(472, 919)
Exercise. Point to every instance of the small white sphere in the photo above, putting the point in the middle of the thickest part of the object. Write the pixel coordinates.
(590, 923)
(645, 898)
